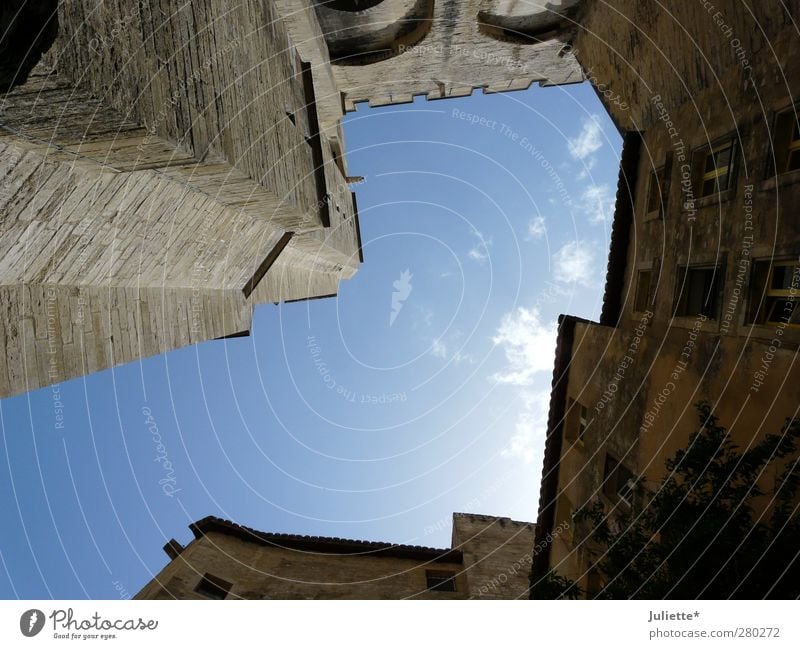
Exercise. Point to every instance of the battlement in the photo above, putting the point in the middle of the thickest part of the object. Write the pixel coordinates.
(395, 50)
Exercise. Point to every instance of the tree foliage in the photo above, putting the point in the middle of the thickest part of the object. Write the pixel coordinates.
(722, 524)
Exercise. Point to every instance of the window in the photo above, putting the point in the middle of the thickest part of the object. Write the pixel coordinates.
(644, 297)
(212, 587)
(563, 520)
(441, 581)
(698, 291)
(618, 481)
(775, 292)
(786, 141)
(577, 421)
(713, 168)
(656, 192)
(583, 421)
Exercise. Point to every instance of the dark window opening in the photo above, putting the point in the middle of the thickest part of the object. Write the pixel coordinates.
(698, 291)
(644, 296)
(775, 293)
(618, 481)
(786, 142)
(212, 587)
(656, 192)
(583, 421)
(441, 581)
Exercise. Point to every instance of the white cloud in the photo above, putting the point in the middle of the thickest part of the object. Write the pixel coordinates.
(459, 358)
(537, 228)
(479, 254)
(528, 344)
(588, 140)
(438, 349)
(529, 347)
(574, 263)
(598, 203)
(527, 442)
(480, 251)
(423, 317)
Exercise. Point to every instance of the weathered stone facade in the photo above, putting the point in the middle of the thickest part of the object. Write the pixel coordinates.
(684, 314)
(168, 166)
(489, 559)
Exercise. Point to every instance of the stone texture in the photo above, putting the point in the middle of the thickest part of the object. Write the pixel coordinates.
(629, 375)
(156, 184)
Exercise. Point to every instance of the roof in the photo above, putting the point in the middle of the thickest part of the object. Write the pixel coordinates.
(324, 544)
(620, 230)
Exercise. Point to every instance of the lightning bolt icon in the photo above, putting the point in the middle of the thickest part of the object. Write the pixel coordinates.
(32, 621)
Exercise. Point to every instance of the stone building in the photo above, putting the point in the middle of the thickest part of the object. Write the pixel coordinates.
(490, 558)
(704, 266)
(169, 165)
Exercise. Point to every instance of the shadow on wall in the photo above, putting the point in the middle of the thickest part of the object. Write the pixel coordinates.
(359, 32)
(525, 22)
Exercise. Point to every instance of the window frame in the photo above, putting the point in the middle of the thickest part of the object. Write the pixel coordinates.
(584, 421)
(761, 294)
(637, 296)
(575, 430)
(209, 586)
(783, 143)
(612, 488)
(683, 285)
(441, 578)
(700, 175)
(657, 177)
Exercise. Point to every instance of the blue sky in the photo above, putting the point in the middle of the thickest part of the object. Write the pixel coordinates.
(368, 416)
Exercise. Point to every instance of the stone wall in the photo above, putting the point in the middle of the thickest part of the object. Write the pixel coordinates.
(497, 555)
(685, 85)
(450, 58)
(489, 559)
(162, 166)
(632, 50)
